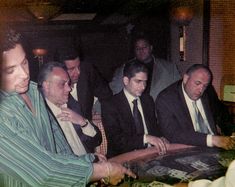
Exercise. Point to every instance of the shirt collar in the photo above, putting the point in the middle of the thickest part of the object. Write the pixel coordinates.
(187, 98)
(55, 109)
(129, 97)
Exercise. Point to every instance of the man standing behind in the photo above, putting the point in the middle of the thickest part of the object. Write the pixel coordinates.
(32, 146)
(129, 116)
(86, 82)
(186, 114)
(54, 82)
(161, 72)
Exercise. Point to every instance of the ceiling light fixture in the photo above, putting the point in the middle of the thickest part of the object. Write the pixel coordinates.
(43, 10)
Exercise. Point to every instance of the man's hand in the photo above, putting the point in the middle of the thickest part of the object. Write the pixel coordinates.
(224, 142)
(69, 115)
(118, 172)
(101, 157)
(160, 143)
(112, 172)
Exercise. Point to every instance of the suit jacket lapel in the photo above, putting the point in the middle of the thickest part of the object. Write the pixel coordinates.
(183, 103)
(126, 112)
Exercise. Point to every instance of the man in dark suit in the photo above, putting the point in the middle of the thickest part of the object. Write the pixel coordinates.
(123, 131)
(86, 82)
(186, 113)
(81, 134)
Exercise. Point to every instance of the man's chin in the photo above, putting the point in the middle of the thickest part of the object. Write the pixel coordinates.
(22, 88)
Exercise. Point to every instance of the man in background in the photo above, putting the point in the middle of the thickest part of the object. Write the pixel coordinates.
(161, 72)
(86, 83)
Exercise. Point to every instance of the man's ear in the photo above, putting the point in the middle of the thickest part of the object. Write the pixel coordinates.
(45, 86)
(185, 78)
(125, 80)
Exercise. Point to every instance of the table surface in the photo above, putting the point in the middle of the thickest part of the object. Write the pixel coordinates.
(180, 163)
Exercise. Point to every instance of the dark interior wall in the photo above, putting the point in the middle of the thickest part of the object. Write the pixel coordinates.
(106, 46)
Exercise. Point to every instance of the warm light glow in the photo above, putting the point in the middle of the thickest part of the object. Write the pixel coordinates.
(182, 15)
(39, 52)
(44, 10)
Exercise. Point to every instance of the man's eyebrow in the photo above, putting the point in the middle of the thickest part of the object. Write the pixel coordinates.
(11, 67)
(8, 67)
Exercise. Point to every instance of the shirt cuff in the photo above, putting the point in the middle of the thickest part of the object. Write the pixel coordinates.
(209, 140)
(89, 130)
(144, 139)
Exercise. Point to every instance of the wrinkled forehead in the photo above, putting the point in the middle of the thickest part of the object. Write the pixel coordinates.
(59, 73)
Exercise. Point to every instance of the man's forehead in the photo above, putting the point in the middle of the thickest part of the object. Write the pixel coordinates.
(12, 57)
(72, 63)
(59, 73)
(140, 76)
(141, 43)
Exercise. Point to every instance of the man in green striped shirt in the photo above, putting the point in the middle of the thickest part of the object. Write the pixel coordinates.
(33, 150)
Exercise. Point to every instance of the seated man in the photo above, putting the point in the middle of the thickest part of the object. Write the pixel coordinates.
(32, 146)
(186, 113)
(129, 116)
(54, 82)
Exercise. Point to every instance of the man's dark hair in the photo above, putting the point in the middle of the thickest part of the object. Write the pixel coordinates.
(68, 53)
(196, 67)
(45, 71)
(8, 40)
(133, 67)
(141, 37)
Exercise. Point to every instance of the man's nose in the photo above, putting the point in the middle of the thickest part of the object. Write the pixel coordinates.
(23, 72)
(67, 87)
(143, 85)
(77, 71)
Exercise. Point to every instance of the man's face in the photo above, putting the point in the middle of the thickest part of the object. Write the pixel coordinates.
(15, 71)
(73, 69)
(196, 83)
(57, 86)
(136, 85)
(143, 51)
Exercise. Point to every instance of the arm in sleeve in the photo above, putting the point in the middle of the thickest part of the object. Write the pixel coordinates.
(119, 139)
(174, 127)
(92, 141)
(24, 157)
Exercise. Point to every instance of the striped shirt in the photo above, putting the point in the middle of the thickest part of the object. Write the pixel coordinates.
(33, 148)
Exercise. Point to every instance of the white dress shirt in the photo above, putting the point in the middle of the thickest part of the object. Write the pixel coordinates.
(69, 131)
(73, 92)
(191, 109)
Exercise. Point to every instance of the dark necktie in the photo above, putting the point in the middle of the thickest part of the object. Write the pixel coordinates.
(137, 118)
(199, 120)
